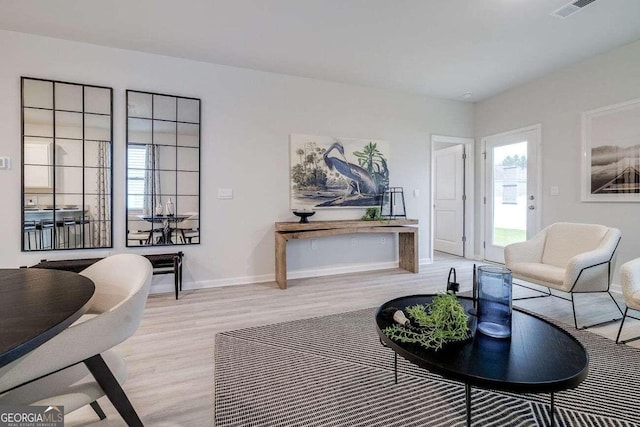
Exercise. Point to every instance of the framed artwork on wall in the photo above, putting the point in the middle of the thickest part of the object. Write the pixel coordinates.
(611, 153)
(330, 172)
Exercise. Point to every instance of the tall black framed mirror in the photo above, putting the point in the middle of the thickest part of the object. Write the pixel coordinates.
(67, 135)
(163, 169)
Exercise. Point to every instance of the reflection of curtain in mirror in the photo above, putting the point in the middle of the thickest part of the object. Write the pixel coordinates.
(151, 180)
(102, 223)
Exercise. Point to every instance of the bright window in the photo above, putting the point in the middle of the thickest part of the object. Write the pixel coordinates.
(136, 157)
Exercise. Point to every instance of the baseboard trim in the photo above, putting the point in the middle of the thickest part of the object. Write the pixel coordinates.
(168, 286)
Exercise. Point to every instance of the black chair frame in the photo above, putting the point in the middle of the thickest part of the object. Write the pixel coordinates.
(624, 317)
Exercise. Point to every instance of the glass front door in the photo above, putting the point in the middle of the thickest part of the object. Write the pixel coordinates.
(511, 203)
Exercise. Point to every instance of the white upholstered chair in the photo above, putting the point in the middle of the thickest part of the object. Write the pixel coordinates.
(568, 257)
(630, 279)
(76, 367)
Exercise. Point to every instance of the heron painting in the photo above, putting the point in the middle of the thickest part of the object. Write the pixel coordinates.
(328, 172)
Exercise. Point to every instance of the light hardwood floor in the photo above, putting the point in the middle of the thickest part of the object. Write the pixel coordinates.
(170, 358)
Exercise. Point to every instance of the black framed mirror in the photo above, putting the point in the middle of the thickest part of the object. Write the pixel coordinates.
(163, 169)
(67, 135)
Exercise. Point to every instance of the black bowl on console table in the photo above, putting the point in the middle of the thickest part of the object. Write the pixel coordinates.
(303, 215)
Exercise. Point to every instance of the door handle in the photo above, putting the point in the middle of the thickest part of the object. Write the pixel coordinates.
(531, 207)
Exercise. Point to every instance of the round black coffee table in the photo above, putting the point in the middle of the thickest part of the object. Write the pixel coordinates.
(539, 358)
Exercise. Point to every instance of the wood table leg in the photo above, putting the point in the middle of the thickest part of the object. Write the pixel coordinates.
(281, 261)
(408, 250)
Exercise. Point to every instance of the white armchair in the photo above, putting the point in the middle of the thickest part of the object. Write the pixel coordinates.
(630, 278)
(76, 367)
(567, 257)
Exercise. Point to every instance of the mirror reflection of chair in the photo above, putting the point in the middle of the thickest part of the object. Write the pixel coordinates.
(46, 226)
(142, 233)
(567, 257)
(77, 366)
(630, 279)
(83, 224)
(188, 236)
(29, 231)
(142, 237)
(189, 229)
(64, 228)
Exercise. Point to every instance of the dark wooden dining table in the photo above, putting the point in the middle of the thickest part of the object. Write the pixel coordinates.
(36, 305)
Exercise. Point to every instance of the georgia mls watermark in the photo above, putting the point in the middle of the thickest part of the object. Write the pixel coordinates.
(31, 416)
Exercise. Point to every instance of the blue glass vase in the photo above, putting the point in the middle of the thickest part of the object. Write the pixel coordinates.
(494, 301)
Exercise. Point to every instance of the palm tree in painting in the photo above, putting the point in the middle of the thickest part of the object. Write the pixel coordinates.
(371, 159)
(309, 173)
(300, 153)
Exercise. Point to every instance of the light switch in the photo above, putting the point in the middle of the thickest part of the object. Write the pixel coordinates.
(416, 193)
(225, 193)
(555, 190)
(5, 162)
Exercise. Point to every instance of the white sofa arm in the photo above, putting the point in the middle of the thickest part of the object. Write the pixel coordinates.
(599, 256)
(529, 251)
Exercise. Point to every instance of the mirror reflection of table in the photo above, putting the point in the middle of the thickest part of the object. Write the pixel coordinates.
(37, 304)
(167, 228)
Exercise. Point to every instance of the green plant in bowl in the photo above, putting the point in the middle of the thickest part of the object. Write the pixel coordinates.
(433, 325)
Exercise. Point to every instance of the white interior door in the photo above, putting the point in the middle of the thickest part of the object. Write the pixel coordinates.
(511, 190)
(448, 201)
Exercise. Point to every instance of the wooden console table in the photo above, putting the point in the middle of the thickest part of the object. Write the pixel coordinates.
(407, 236)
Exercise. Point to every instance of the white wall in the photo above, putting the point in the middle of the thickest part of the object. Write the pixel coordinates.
(247, 118)
(557, 101)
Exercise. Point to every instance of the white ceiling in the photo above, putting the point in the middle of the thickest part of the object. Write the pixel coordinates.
(442, 48)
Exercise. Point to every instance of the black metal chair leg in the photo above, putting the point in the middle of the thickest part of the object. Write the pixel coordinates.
(112, 389)
(615, 302)
(98, 410)
(624, 316)
(544, 294)
(599, 323)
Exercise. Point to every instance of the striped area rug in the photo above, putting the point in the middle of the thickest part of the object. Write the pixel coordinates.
(332, 371)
